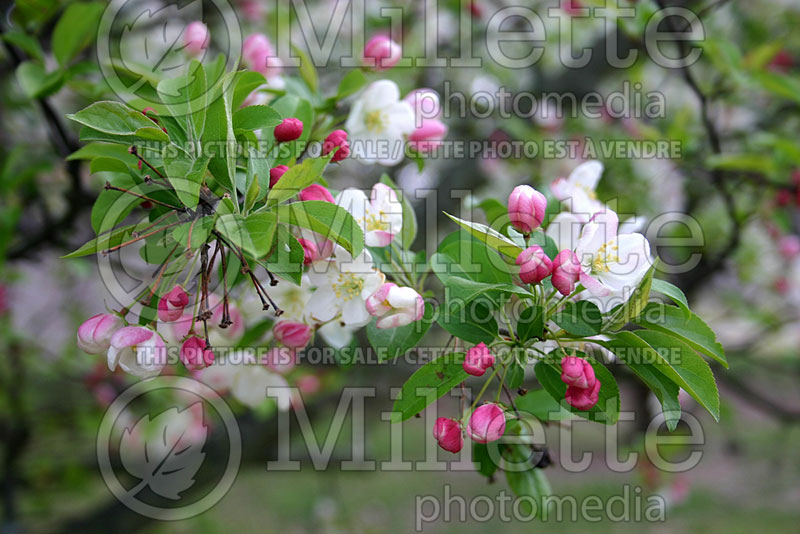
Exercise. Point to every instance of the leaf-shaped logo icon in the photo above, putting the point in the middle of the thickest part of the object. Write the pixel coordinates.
(152, 44)
(166, 452)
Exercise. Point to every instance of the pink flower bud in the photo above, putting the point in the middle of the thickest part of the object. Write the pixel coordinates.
(316, 192)
(195, 38)
(258, 54)
(310, 251)
(583, 398)
(534, 265)
(94, 335)
(337, 139)
(395, 306)
(171, 305)
(448, 434)
(382, 53)
(577, 372)
(425, 103)
(428, 136)
(293, 335)
(478, 359)
(280, 359)
(252, 10)
(789, 246)
(487, 423)
(526, 207)
(275, 174)
(566, 272)
(195, 355)
(288, 130)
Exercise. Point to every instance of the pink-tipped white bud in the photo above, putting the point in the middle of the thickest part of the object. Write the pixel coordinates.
(534, 265)
(395, 306)
(566, 272)
(195, 355)
(94, 335)
(429, 135)
(526, 208)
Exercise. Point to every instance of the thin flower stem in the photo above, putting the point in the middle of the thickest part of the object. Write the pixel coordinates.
(135, 152)
(110, 187)
(495, 369)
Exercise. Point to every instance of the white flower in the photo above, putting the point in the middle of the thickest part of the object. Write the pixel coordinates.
(343, 286)
(613, 264)
(377, 123)
(579, 189)
(564, 230)
(292, 299)
(336, 334)
(381, 217)
(137, 350)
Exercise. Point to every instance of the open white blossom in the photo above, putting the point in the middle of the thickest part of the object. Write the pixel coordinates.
(578, 190)
(378, 122)
(380, 217)
(343, 285)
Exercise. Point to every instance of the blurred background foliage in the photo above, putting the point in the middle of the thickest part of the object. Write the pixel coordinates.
(735, 114)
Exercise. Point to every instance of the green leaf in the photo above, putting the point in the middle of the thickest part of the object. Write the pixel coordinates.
(253, 192)
(327, 219)
(546, 242)
(218, 132)
(582, 318)
(474, 324)
(200, 230)
(75, 30)
(530, 324)
(409, 231)
(691, 329)
(673, 292)
(246, 82)
(186, 176)
(541, 404)
(297, 178)
(108, 240)
(491, 237)
(253, 234)
(112, 118)
(307, 70)
(483, 460)
(527, 482)
(391, 343)
(681, 364)
(606, 410)
(286, 260)
(28, 44)
(427, 384)
(496, 214)
(35, 82)
(469, 258)
(352, 82)
(255, 118)
(515, 375)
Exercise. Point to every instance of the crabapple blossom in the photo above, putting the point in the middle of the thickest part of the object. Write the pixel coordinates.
(395, 306)
(789, 246)
(577, 372)
(94, 335)
(171, 305)
(566, 272)
(378, 123)
(194, 353)
(487, 423)
(316, 192)
(478, 359)
(276, 173)
(195, 38)
(336, 139)
(381, 53)
(611, 264)
(564, 230)
(288, 130)
(425, 103)
(578, 189)
(250, 383)
(448, 434)
(380, 217)
(534, 265)
(137, 350)
(583, 398)
(343, 285)
(526, 207)
(292, 334)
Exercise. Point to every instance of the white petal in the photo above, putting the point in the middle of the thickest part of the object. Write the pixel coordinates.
(380, 94)
(324, 305)
(587, 175)
(565, 229)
